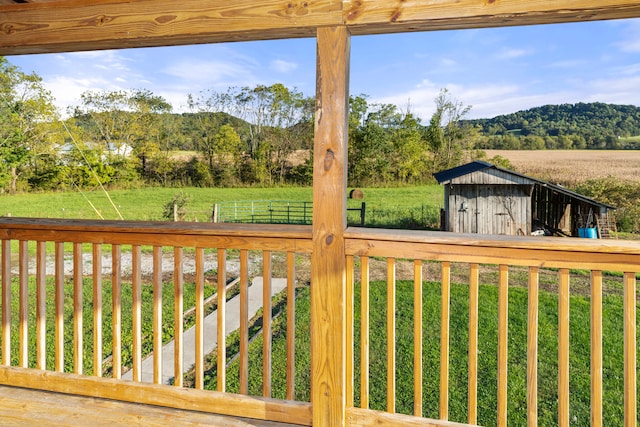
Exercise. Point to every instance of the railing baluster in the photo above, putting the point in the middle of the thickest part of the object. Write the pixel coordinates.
(136, 302)
(417, 338)
(199, 301)
(244, 321)
(474, 291)
(349, 326)
(563, 349)
(157, 314)
(70, 320)
(97, 309)
(364, 333)
(41, 305)
(116, 312)
(444, 340)
(222, 304)
(596, 348)
(532, 349)
(23, 314)
(77, 309)
(266, 324)
(630, 362)
(178, 314)
(391, 335)
(503, 328)
(24, 297)
(59, 300)
(291, 324)
(6, 302)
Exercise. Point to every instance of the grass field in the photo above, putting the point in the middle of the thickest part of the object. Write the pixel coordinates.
(570, 167)
(409, 207)
(487, 403)
(87, 300)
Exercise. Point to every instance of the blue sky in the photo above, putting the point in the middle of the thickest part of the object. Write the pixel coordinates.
(496, 71)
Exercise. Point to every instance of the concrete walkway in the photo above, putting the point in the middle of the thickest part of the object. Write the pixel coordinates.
(210, 332)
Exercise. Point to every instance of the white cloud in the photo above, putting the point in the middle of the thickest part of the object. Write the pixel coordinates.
(615, 90)
(67, 90)
(485, 100)
(631, 42)
(448, 62)
(214, 73)
(569, 63)
(511, 53)
(282, 66)
(632, 45)
(108, 60)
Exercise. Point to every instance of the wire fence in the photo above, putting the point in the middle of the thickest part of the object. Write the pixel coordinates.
(275, 212)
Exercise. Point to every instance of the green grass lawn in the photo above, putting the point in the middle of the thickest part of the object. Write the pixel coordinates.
(487, 357)
(126, 313)
(408, 207)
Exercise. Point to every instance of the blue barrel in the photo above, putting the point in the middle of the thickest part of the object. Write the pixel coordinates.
(588, 233)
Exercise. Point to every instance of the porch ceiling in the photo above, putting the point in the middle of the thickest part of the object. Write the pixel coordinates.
(38, 26)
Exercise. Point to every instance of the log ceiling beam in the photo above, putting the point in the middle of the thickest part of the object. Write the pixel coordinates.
(71, 25)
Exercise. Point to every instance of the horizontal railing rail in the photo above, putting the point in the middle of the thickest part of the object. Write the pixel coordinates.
(86, 303)
(488, 304)
(97, 300)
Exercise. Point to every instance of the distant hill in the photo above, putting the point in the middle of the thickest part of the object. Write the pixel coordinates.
(582, 125)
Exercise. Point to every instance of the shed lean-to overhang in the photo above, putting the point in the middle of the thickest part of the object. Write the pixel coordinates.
(451, 176)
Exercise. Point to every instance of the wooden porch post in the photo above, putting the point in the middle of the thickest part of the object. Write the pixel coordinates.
(328, 264)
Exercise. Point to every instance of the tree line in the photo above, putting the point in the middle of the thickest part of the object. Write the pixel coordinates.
(261, 135)
(239, 136)
(567, 126)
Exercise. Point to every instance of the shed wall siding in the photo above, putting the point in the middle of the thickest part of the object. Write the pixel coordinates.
(491, 176)
(490, 209)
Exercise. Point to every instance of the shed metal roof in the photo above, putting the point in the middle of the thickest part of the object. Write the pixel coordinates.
(448, 175)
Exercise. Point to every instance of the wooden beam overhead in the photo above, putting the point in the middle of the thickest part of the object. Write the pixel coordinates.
(73, 26)
(41, 26)
(384, 16)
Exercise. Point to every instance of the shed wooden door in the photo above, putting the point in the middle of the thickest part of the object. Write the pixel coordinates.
(490, 209)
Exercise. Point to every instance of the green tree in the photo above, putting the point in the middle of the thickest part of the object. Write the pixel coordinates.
(448, 137)
(28, 123)
(209, 111)
(124, 120)
(370, 156)
(410, 154)
(228, 145)
(279, 122)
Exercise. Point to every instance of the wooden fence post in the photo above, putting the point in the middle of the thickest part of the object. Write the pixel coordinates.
(214, 215)
(328, 262)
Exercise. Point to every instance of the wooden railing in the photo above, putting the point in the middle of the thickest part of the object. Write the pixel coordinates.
(52, 277)
(78, 292)
(472, 260)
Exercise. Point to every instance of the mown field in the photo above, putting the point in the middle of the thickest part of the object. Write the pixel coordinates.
(406, 207)
(394, 207)
(571, 167)
(487, 357)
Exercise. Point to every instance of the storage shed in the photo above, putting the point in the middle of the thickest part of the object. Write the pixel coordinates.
(482, 198)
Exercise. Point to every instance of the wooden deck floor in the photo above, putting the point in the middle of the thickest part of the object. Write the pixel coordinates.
(24, 407)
